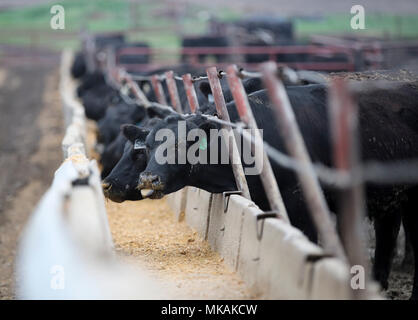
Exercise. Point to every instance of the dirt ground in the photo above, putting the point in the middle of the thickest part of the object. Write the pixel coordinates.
(146, 234)
(30, 138)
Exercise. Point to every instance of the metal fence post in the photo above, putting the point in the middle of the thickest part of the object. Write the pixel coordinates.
(172, 90)
(234, 155)
(191, 92)
(267, 176)
(136, 90)
(158, 89)
(288, 128)
(110, 66)
(89, 52)
(344, 128)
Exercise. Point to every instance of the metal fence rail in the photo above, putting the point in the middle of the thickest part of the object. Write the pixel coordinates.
(192, 54)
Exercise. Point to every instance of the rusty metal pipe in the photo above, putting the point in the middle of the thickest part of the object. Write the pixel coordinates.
(190, 92)
(244, 110)
(172, 90)
(294, 143)
(234, 155)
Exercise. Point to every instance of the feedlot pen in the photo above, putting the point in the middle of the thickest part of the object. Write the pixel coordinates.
(278, 263)
(146, 233)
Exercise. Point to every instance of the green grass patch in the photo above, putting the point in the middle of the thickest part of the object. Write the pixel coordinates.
(31, 25)
(375, 24)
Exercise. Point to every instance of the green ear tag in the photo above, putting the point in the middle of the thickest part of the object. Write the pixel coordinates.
(203, 144)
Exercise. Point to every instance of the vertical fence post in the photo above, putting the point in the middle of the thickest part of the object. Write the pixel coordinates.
(234, 155)
(158, 89)
(111, 70)
(344, 128)
(172, 90)
(89, 51)
(244, 110)
(136, 90)
(191, 93)
(295, 145)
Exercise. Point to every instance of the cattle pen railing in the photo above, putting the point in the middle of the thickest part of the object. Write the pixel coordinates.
(254, 242)
(296, 53)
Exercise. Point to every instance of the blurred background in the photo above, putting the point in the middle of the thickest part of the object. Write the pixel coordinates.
(25, 24)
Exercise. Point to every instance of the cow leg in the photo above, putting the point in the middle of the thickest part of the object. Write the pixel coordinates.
(386, 228)
(410, 217)
(408, 259)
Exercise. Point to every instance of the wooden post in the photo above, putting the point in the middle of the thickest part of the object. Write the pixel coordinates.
(244, 110)
(234, 155)
(294, 143)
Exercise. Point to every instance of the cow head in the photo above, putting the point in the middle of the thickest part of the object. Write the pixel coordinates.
(169, 167)
(109, 125)
(112, 154)
(120, 184)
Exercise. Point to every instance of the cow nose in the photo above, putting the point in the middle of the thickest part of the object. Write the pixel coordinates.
(148, 180)
(106, 186)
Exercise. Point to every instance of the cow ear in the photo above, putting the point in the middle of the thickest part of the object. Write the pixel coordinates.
(132, 132)
(204, 87)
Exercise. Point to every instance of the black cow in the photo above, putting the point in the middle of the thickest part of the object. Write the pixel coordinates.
(78, 68)
(127, 59)
(105, 40)
(205, 41)
(114, 150)
(389, 131)
(121, 113)
(96, 95)
(90, 81)
(130, 157)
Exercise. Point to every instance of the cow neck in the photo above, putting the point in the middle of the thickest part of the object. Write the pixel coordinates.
(212, 177)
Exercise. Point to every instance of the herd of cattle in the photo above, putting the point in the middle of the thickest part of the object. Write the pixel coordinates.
(126, 141)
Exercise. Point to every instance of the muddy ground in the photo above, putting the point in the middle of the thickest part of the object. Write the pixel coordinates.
(30, 136)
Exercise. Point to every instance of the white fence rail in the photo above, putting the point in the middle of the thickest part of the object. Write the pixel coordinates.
(66, 249)
(275, 259)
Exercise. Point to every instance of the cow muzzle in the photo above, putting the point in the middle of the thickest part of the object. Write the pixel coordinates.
(150, 186)
(108, 193)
